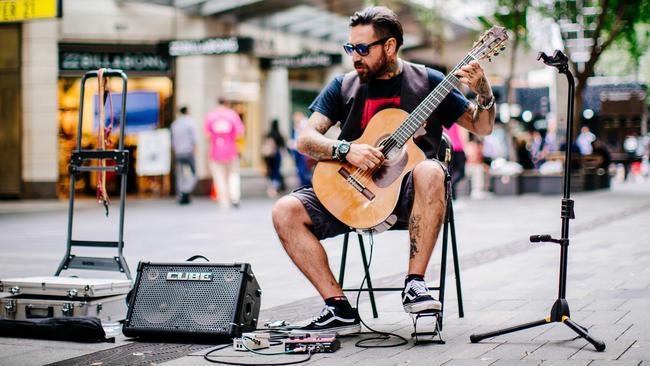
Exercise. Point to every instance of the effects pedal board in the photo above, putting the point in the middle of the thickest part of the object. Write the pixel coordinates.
(306, 343)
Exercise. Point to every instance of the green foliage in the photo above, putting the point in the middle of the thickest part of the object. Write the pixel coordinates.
(616, 23)
(512, 14)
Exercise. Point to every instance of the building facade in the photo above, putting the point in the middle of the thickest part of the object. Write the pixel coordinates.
(172, 58)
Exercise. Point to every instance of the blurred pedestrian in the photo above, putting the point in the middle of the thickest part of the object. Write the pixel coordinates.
(184, 140)
(584, 141)
(477, 168)
(223, 125)
(272, 147)
(551, 143)
(303, 167)
(536, 148)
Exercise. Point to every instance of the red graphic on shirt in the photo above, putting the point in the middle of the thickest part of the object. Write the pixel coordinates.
(375, 105)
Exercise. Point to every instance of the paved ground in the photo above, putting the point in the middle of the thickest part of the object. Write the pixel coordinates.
(505, 280)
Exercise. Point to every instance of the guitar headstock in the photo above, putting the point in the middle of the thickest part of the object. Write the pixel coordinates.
(491, 43)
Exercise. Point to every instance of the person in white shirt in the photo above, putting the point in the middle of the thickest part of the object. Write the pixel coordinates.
(584, 140)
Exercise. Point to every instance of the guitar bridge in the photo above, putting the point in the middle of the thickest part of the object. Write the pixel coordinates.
(356, 184)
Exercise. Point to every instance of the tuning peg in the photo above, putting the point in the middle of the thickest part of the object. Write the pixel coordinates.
(503, 48)
(496, 53)
(490, 59)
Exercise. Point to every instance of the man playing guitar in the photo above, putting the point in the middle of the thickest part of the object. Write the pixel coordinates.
(380, 80)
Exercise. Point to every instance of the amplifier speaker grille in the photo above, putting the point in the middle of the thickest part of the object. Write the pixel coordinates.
(226, 305)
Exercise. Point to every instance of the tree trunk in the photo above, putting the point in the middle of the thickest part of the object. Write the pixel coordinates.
(578, 103)
(510, 98)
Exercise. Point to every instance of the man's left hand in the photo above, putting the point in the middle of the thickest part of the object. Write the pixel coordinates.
(473, 76)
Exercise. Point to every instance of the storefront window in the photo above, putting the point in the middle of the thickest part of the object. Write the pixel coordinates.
(149, 105)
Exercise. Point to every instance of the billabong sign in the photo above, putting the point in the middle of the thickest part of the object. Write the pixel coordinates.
(81, 57)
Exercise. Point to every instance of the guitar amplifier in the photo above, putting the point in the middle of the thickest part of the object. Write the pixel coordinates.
(203, 300)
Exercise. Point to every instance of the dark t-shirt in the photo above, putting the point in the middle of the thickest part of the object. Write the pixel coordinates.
(383, 94)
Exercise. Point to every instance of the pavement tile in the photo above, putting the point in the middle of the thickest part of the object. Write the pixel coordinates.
(603, 304)
(565, 362)
(491, 317)
(512, 351)
(557, 332)
(609, 333)
(636, 317)
(615, 363)
(506, 362)
(603, 317)
(435, 354)
(612, 352)
(636, 332)
(510, 304)
(468, 363)
(556, 350)
(640, 350)
(376, 362)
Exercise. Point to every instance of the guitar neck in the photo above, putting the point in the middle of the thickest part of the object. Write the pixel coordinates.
(416, 119)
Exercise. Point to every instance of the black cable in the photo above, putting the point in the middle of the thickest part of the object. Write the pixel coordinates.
(381, 336)
(208, 358)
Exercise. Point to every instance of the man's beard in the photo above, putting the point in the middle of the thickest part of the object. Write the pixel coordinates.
(370, 73)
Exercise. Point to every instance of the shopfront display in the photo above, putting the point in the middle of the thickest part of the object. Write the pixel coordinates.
(149, 106)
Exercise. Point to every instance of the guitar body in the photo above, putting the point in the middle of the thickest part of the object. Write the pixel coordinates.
(359, 199)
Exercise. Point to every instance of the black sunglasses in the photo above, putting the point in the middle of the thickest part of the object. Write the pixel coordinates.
(363, 49)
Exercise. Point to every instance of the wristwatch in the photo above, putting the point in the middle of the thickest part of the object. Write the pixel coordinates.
(340, 150)
(488, 105)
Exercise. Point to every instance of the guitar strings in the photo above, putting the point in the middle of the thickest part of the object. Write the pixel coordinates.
(404, 132)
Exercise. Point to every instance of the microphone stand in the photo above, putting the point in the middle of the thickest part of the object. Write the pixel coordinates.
(560, 310)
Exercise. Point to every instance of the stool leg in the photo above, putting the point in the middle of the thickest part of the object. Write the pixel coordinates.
(344, 255)
(454, 250)
(371, 293)
(443, 270)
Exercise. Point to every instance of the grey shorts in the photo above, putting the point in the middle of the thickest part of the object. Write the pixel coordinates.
(325, 225)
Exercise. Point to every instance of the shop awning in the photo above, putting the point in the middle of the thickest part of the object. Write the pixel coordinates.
(327, 21)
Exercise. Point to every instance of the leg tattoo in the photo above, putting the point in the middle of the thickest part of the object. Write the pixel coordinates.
(414, 234)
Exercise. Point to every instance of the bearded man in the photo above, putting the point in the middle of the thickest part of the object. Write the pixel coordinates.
(380, 80)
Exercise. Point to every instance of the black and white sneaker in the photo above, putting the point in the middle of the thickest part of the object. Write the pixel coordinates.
(416, 298)
(330, 322)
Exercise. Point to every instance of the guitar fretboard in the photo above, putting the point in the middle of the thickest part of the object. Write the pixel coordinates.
(417, 118)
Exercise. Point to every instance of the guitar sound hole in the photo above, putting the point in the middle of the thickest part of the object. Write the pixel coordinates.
(390, 149)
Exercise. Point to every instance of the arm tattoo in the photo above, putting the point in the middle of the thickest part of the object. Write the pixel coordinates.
(312, 140)
(484, 92)
(414, 234)
(483, 89)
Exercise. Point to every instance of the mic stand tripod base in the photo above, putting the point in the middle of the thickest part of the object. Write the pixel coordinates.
(559, 313)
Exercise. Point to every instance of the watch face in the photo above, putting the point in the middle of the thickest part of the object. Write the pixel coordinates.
(344, 148)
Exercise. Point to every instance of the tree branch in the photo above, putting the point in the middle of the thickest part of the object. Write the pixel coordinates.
(596, 49)
(599, 26)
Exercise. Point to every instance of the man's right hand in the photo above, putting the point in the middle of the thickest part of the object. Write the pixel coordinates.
(364, 156)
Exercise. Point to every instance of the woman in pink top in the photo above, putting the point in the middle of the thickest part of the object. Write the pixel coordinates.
(223, 125)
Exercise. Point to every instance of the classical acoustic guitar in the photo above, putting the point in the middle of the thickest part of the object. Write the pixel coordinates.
(365, 199)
